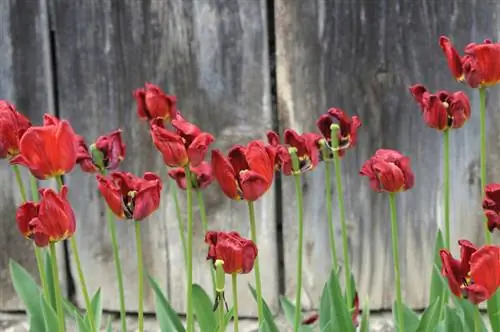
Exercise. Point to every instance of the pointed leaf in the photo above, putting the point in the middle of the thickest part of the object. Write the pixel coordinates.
(82, 324)
(71, 309)
(453, 323)
(437, 288)
(326, 315)
(410, 318)
(202, 308)
(494, 311)
(430, 317)
(365, 318)
(268, 316)
(96, 307)
(108, 325)
(227, 318)
(166, 315)
(289, 311)
(340, 310)
(49, 315)
(50, 278)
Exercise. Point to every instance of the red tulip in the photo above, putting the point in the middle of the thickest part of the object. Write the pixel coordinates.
(47, 151)
(129, 196)
(187, 146)
(442, 110)
(388, 171)
(307, 150)
(247, 173)
(111, 147)
(201, 176)
(479, 66)
(13, 125)
(237, 252)
(348, 134)
(153, 103)
(476, 276)
(49, 221)
(491, 206)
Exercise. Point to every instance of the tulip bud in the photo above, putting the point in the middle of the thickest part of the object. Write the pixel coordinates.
(97, 157)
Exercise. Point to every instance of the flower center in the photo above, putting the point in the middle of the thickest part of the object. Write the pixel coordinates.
(128, 204)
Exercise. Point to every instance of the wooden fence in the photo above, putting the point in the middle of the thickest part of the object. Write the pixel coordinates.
(239, 68)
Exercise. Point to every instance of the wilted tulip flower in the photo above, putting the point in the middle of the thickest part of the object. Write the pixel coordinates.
(13, 125)
(48, 151)
(479, 66)
(106, 153)
(237, 253)
(247, 172)
(129, 196)
(388, 171)
(491, 206)
(348, 133)
(153, 103)
(476, 276)
(188, 145)
(50, 220)
(201, 176)
(442, 110)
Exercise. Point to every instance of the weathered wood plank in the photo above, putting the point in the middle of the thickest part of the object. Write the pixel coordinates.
(25, 81)
(214, 57)
(362, 56)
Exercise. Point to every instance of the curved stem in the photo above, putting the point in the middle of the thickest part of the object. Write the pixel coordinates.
(57, 288)
(180, 223)
(300, 216)
(234, 277)
(258, 286)
(189, 287)
(482, 125)
(204, 223)
(446, 176)
(395, 255)
(138, 245)
(329, 210)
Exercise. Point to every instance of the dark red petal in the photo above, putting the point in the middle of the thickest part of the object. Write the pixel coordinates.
(259, 161)
(249, 253)
(203, 175)
(112, 195)
(324, 123)
(404, 164)
(343, 119)
(112, 147)
(140, 95)
(237, 157)
(147, 199)
(198, 148)
(273, 138)
(451, 270)
(179, 176)
(186, 129)
(485, 268)
(467, 248)
(253, 185)
(225, 175)
(390, 176)
(57, 219)
(418, 91)
(50, 120)
(170, 145)
(435, 113)
(480, 64)
(454, 61)
(493, 220)
(24, 215)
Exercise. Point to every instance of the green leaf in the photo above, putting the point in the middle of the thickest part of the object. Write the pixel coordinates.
(71, 309)
(268, 316)
(108, 325)
(82, 324)
(202, 308)
(96, 307)
(410, 318)
(50, 278)
(29, 293)
(453, 323)
(494, 311)
(365, 318)
(49, 315)
(430, 317)
(289, 310)
(227, 318)
(166, 315)
(437, 288)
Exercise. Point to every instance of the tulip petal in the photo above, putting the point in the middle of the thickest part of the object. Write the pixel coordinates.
(259, 161)
(170, 145)
(237, 157)
(112, 195)
(485, 268)
(179, 176)
(324, 123)
(225, 175)
(451, 54)
(147, 200)
(186, 129)
(253, 185)
(198, 148)
(24, 215)
(452, 271)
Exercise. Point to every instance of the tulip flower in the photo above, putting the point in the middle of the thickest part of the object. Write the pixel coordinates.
(442, 110)
(491, 206)
(478, 67)
(47, 151)
(237, 252)
(247, 172)
(129, 196)
(388, 171)
(13, 125)
(153, 103)
(106, 153)
(476, 276)
(51, 220)
(201, 176)
(348, 134)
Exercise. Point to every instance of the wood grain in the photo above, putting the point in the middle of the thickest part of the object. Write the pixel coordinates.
(25, 81)
(362, 56)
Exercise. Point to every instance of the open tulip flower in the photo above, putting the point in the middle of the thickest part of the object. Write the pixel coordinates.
(50, 220)
(129, 196)
(12, 127)
(442, 110)
(348, 133)
(48, 151)
(237, 253)
(153, 103)
(491, 206)
(110, 148)
(479, 67)
(201, 176)
(307, 146)
(247, 172)
(388, 171)
(188, 145)
(476, 276)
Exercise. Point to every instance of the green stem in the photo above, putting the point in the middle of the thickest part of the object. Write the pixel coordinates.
(19, 181)
(57, 288)
(395, 248)
(39, 264)
(83, 285)
(204, 223)
(446, 176)
(34, 188)
(477, 319)
(189, 287)
(329, 210)
(234, 277)
(258, 286)
(482, 125)
(221, 317)
(300, 216)
(345, 242)
(180, 223)
(138, 244)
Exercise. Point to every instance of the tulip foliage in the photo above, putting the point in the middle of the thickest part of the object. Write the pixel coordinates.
(245, 173)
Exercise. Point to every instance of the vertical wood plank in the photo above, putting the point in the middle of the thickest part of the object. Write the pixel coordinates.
(362, 56)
